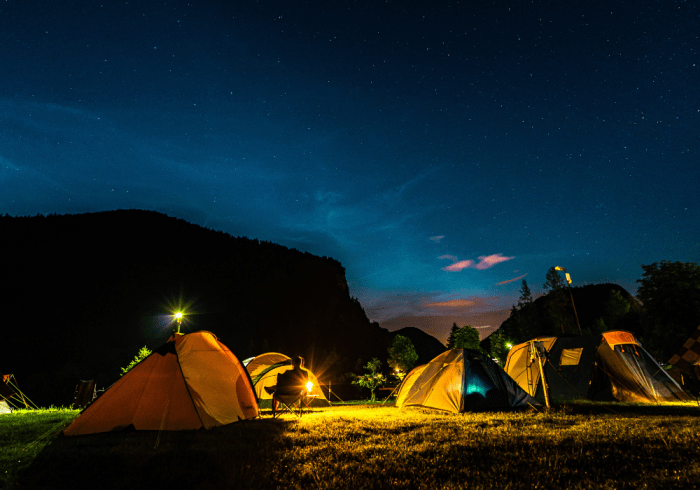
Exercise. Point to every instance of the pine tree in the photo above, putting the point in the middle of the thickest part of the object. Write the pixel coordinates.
(554, 281)
(451, 338)
(525, 295)
(467, 338)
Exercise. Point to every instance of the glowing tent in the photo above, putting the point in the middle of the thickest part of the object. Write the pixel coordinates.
(461, 380)
(610, 366)
(263, 371)
(190, 382)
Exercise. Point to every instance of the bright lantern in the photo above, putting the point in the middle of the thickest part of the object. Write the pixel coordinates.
(309, 386)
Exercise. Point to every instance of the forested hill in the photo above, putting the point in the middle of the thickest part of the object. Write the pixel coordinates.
(427, 347)
(82, 293)
(599, 307)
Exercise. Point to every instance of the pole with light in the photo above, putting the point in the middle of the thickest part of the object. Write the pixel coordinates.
(178, 318)
(568, 282)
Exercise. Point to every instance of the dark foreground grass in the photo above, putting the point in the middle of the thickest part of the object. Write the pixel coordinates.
(574, 446)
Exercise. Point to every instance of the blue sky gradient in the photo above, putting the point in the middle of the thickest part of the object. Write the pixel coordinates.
(441, 151)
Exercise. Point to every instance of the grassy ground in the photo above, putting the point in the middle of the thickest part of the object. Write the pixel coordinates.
(372, 446)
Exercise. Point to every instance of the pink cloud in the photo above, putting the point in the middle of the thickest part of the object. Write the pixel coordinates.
(437, 238)
(485, 262)
(488, 261)
(510, 280)
(455, 303)
(458, 266)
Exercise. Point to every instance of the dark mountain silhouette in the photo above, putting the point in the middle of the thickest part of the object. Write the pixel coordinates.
(82, 293)
(427, 347)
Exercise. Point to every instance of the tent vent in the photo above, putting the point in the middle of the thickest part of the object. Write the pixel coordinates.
(570, 357)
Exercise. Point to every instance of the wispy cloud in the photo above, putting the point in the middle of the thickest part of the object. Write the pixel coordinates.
(510, 280)
(415, 180)
(488, 261)
(485, 262)
(458, 266)
(437, 238)
(455, 303)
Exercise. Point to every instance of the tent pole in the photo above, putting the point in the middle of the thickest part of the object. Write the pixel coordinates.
(535, 352)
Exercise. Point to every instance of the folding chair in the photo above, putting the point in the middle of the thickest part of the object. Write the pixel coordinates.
(292, 402)
(85, 393)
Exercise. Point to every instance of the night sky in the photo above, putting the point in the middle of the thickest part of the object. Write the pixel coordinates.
(442, 151)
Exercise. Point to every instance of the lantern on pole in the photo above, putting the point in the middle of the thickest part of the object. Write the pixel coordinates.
(178, 318)
(568, 285)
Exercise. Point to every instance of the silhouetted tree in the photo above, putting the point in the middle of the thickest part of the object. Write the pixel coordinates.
(451, 337)
(402, 355)
(670, 293)
(498, 346)
(598, 326)
(553, 280)
(615, 308)
(467, 337)
(525, 295)
(372, 380)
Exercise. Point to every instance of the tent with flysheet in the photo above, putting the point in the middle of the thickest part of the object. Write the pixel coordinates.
(461, 380)
(610, 366)
(11, 397)
(5, 394)
(190, 382)
(263, 371)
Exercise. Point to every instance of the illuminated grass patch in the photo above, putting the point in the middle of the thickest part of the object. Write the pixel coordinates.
(577, 446)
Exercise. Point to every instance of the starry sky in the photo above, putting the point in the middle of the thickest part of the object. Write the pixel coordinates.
(442, 151)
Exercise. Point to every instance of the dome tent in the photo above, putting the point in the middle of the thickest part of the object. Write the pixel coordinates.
(609, 366)
(263, 370)
(461, 380)
(190, 382)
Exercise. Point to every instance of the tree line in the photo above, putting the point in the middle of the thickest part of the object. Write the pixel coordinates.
(662, 316)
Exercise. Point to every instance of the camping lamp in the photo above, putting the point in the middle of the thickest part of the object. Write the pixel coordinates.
(309, 386)
(178, 317)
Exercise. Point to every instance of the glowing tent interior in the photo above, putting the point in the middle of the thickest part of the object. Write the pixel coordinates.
(263, 371)
(190, 382)
(610, 366)
(461, 380)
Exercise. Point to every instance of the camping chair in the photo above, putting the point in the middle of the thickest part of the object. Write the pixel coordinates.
(292, 402)
(85, 393)
(290, 393)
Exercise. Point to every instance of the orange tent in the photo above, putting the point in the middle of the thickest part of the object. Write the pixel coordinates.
(263, 371)
(190, 382)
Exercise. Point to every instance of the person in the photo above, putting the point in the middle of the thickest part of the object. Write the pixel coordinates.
(290, 383)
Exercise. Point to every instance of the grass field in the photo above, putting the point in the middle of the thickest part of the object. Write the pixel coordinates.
(370, 446)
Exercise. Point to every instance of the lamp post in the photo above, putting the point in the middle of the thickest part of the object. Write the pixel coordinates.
(568, 282)
(178, 318)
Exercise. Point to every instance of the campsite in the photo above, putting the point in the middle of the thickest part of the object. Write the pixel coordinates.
(459, 421)
(194, 408)
(576, 445)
